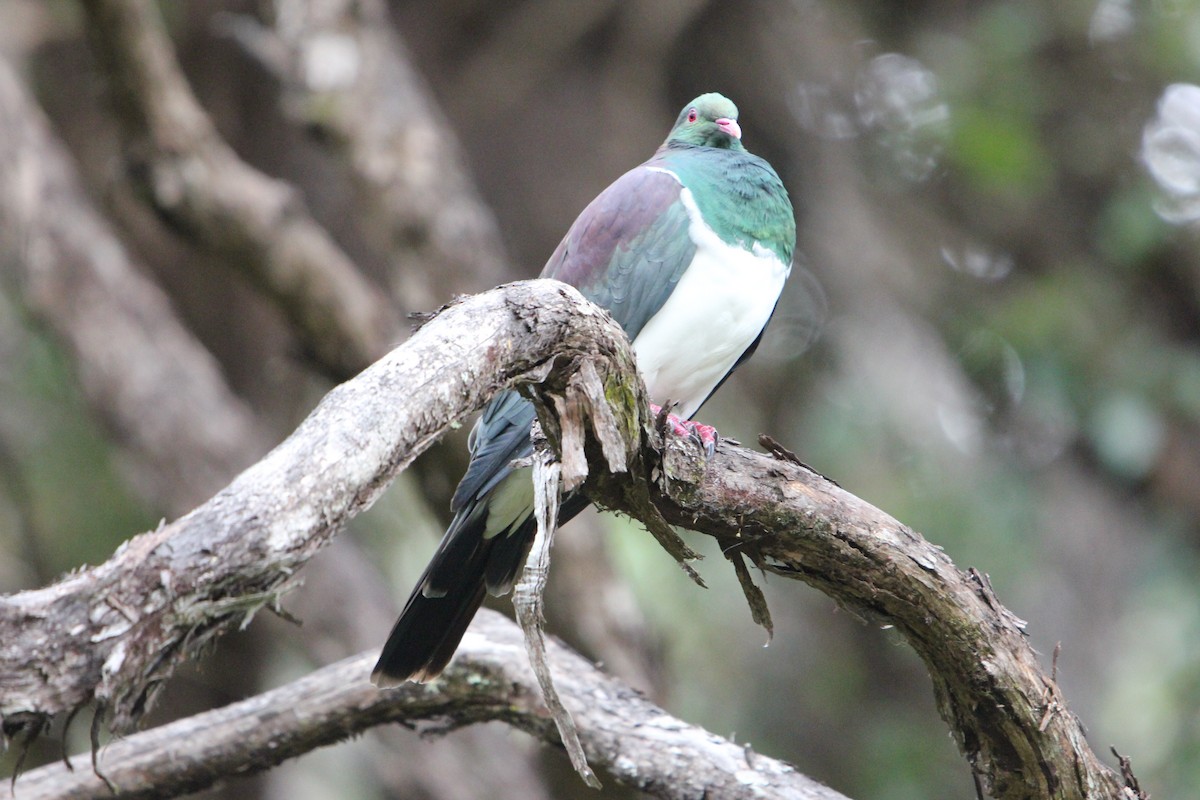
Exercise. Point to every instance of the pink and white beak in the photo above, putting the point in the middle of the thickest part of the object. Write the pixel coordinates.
(730, 127)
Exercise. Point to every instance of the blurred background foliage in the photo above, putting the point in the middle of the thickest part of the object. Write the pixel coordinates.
(993, 333)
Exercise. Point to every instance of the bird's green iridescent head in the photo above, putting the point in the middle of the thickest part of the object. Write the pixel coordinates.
(708, 121)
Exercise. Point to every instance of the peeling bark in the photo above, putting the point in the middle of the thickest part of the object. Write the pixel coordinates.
(114, 632)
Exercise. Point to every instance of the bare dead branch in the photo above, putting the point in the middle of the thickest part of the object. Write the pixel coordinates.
(641, 745)
(115, 631)
(253, 222)
(1007, 715)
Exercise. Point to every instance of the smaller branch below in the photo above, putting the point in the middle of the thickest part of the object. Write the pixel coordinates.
(639, 744)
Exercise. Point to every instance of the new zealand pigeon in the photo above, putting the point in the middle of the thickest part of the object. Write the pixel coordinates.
(689, 253)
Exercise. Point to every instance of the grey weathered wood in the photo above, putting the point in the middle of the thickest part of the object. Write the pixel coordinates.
(641, 745)
(1004, 710)
(114, 632)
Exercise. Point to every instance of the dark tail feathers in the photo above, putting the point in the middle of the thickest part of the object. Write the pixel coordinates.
(465, 566)
(425, 637)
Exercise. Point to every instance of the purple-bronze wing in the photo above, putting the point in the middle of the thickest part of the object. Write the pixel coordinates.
(628, 248)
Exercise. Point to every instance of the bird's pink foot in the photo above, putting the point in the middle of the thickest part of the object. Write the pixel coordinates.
(704, 435)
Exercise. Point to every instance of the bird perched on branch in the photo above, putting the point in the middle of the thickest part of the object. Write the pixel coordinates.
(689, 253)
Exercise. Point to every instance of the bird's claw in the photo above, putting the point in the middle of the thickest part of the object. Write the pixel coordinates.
(705, 436)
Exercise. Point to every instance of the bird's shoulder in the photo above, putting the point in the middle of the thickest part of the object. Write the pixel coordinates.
(640, 208)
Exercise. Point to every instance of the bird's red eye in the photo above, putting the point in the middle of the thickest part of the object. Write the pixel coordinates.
(692, 115)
